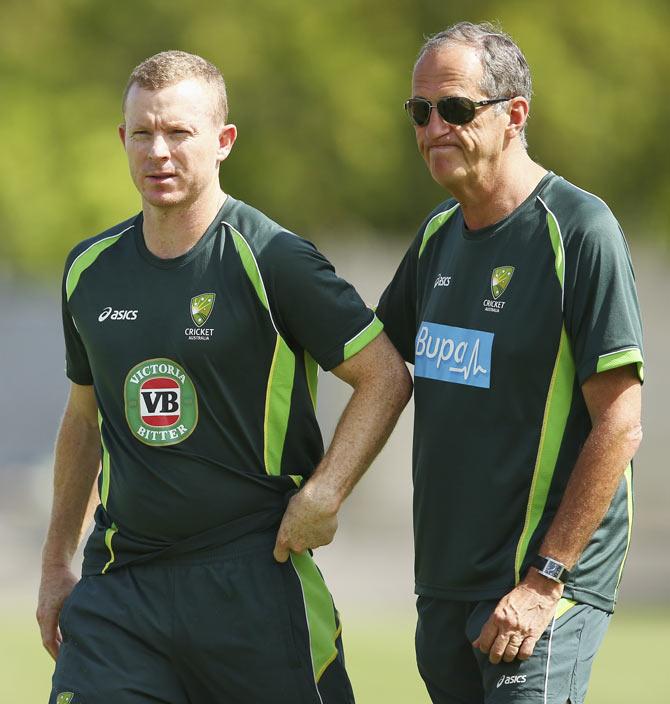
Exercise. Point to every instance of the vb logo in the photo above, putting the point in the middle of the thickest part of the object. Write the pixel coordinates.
(160, 399)
(161, 402)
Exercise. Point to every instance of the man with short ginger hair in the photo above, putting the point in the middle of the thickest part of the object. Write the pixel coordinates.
(194, 331)
(516, 304)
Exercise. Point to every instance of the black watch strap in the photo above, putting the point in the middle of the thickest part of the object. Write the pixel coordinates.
(550, 568)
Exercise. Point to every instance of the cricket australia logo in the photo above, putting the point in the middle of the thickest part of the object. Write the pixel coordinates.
(161, 402)
(201, 308)
(500, 278)
(64, 698)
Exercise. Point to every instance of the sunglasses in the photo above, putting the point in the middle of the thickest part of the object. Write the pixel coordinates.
(455, 111)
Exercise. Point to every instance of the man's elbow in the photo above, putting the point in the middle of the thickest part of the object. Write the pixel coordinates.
(399, 381)
(633, 437)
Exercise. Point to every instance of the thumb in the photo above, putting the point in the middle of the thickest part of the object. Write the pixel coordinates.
(281, 551)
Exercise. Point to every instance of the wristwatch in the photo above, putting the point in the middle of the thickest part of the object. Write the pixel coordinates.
(551, 569)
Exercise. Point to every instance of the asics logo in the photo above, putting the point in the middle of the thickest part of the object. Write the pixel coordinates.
(112, 314)
(511, 679)
(442, 281)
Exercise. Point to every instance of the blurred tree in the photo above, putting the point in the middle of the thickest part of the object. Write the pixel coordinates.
(316, 91)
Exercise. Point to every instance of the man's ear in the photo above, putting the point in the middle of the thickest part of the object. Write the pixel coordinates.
(518, 115)
(227, 137)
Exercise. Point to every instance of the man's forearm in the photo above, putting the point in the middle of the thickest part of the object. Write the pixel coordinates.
(74, 496)
(382, 387)
(613, 399)
(363, 428)
(591, 487)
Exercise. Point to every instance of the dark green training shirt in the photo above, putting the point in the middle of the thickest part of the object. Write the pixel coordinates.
(504, 325)
(205, 373)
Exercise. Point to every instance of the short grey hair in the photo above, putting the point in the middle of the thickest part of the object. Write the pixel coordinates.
(170, 67)
(505, 69)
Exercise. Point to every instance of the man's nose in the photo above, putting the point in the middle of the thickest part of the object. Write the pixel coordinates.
(436, 125)
(159, 148)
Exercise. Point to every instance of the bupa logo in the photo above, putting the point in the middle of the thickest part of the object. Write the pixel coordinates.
(457, 355)
(161, 402)
(511, 679)
(112, 314)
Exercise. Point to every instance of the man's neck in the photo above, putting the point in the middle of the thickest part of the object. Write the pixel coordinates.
(496, 194)
(171, 232)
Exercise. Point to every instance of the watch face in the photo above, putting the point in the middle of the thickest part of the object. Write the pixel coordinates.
(552, 569)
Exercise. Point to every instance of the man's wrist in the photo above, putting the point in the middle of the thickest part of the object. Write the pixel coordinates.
(57, 558)
(326, 497)
(543, 585)
(551, 568)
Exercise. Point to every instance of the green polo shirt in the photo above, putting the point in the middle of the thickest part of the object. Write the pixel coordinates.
(205, 373)
(504, 325)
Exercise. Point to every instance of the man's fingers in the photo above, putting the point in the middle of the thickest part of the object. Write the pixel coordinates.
(506, 645)
(48, 623)
(487, 636)
(526, 649)
(52, 647)
(498, 648)
(51, 639)
(513, 647)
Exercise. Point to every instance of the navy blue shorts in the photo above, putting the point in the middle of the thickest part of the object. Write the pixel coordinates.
(229, 625)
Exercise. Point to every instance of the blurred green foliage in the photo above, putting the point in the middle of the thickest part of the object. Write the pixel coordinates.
(316, 90)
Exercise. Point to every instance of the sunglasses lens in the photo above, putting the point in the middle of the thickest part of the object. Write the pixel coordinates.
(418, 111)
(456, 111)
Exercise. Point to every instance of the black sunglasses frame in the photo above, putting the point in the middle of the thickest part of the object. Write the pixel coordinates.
(446, 107)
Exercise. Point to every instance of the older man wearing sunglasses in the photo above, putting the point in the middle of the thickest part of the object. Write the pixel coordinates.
(516, 304)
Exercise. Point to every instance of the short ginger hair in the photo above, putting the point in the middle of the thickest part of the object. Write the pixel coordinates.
(170, 67)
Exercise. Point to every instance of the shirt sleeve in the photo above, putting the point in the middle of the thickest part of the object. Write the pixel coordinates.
(602, 313)
(398, 304)
(77, 367)
(312, 306)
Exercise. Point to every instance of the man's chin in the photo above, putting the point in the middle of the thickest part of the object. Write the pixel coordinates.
(448, 178)
(162, 200)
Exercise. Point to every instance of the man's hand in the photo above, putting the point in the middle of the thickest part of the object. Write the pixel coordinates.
(309, 522)
(519, 619)
(55, 587)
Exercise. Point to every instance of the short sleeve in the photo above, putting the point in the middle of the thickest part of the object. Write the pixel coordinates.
(77, 366)
(602, 313)
(313, 307)
(397, 305)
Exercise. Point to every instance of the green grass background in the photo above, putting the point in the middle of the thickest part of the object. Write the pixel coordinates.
(630, 667)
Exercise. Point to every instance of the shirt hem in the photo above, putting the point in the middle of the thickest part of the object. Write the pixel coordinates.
(585, 596)
(452, 594)
(581, 596)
